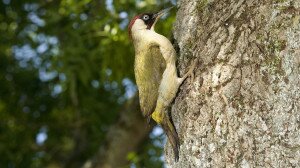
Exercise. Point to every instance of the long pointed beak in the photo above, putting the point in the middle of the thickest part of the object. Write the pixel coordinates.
(162, 12)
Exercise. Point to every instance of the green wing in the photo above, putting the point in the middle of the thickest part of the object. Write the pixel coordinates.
(149, 68)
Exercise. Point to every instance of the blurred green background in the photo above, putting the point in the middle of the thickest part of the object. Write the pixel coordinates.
(66, 70)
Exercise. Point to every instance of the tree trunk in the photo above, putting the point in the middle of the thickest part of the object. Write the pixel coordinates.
(242, 108)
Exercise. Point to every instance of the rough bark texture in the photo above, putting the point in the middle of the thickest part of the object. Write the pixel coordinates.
(242, 109)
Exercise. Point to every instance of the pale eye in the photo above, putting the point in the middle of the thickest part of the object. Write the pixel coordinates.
(145, 17)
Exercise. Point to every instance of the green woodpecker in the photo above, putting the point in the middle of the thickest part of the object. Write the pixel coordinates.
(155, 72)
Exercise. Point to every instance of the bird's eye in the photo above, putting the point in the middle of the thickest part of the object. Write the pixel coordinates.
(145, 17)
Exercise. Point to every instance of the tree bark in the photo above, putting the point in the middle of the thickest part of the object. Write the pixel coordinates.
(242, 108)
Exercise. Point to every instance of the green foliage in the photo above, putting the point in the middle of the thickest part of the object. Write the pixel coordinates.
(62, 70)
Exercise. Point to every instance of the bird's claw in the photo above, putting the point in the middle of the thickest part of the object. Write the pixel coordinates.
(148, 121)
(191, 71)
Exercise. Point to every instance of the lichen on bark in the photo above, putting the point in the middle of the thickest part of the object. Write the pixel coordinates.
(242, 108)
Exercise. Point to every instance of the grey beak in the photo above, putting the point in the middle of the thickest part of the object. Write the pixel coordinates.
(162, 12)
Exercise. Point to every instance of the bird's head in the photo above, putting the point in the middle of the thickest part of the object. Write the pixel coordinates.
(145, 21)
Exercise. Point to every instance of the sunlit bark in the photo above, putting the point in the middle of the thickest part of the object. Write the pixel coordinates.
(242, 108)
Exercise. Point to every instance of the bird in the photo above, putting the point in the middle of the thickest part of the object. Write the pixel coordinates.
(155, 72)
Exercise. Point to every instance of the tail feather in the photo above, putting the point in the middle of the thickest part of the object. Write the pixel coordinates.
(172, 136)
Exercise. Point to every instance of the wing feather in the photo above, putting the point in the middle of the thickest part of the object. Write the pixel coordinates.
(149, 68)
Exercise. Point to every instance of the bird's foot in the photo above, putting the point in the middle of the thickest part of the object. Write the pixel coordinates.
(191, 71)
(148, 120)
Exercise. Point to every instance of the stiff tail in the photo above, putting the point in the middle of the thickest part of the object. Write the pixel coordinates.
(172, 136)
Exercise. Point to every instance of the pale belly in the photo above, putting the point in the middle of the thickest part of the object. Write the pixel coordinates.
(169, 85)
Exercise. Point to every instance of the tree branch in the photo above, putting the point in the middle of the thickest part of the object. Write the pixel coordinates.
(123, 137)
